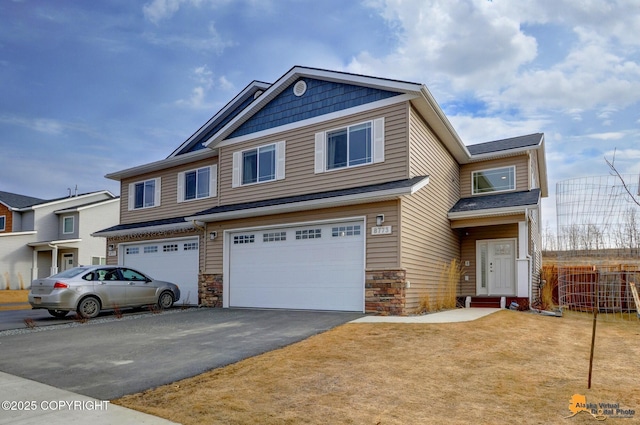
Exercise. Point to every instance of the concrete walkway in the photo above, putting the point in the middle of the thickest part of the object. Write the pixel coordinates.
(448, 316)
(27, 402)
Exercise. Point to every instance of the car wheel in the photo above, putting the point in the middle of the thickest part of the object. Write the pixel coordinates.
(58, 313)
(165, 300)
(89, 307)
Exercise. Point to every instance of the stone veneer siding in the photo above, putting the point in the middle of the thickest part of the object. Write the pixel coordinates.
(384, 291)
(210, 290)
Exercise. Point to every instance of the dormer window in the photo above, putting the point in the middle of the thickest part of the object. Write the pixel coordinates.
(494, 180)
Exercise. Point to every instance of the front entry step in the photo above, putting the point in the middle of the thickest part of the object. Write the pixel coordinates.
(485, 302)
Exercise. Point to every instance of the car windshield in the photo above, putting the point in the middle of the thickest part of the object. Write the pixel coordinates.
(71, 273)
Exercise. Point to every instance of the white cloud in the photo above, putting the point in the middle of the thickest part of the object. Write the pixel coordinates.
(615, 135)
(205, 82)
(49, 126)
(225, 84)
(481, 46)
(483, 129)
(211, 42)
(158, 10)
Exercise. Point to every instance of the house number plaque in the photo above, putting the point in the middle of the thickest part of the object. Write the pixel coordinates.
(381, 230)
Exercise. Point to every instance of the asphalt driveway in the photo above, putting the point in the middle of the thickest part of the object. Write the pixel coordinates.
(109, 358)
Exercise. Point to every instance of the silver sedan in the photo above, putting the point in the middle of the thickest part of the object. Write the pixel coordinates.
(90, 289)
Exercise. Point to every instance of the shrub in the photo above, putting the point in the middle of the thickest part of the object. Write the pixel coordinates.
(446, 290)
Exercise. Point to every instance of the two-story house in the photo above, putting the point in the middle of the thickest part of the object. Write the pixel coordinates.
(333, 191)
(40, 237)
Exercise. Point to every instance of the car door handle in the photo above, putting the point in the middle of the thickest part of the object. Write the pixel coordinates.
(132, 283)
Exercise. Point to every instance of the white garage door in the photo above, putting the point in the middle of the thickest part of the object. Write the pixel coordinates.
(318, 267)
(174, 261)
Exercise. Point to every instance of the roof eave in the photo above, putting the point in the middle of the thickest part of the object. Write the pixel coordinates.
(249, 90)
(440, 124)
(58, 243)
(298, 72)
(163, 164)
(491, 212)
(145, 229)
(353, 199)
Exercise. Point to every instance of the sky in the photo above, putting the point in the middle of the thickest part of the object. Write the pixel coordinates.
(94, 87)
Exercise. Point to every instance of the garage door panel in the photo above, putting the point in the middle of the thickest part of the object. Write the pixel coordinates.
(301, 268)
(168, 260)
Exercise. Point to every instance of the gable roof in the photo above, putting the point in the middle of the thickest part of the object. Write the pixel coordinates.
(13, 200)
(87, 205)
(26, 203)
(236, 105)
(261, 109)
(418, 94)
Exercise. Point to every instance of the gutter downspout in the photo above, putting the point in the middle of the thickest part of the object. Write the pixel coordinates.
(54, 258)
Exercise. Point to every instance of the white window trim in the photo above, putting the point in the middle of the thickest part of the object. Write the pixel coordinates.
(280, 147)
(513, 167)
(73, 224)
(213, 183)
(377, 142)
(3, 223)
(132, 195)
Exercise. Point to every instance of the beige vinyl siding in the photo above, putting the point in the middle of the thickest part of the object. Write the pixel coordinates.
(468, 252)
(535, 172)
(535, 250)
(487, 221)
(521, 163)
(169, 206)
(381, 251)
(300, 156)
(428, 242)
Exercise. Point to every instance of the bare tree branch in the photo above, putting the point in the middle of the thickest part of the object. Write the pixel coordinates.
(624, 184)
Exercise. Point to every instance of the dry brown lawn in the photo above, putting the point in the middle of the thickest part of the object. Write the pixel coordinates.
(509, 367)
(13, 296)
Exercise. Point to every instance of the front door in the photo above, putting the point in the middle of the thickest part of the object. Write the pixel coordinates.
(496, 267)
(67, 261)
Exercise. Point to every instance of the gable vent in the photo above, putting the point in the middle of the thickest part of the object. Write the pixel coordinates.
(300, 88)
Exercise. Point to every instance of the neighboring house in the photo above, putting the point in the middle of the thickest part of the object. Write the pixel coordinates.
(334, 191)
(40, 237)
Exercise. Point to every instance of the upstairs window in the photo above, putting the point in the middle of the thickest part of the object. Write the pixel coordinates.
(67, 225)
(197, 184)
(350, 146)
(494, 180)
(262, 164)
(3, 223)
(145, 194)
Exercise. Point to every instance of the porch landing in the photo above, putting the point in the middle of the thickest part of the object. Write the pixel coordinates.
(492, 302)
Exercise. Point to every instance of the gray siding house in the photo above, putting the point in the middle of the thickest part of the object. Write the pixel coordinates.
(40, 237)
